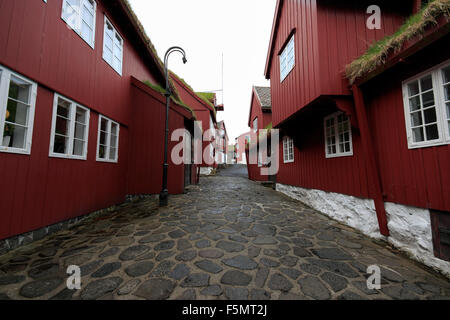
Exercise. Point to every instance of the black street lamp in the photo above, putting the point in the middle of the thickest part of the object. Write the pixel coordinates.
(164, 195)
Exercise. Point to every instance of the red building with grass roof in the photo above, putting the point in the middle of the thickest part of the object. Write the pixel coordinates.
(368, 143)
(79, 130)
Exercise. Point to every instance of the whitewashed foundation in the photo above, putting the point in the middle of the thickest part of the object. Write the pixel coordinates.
(409, 227)
(206, 171)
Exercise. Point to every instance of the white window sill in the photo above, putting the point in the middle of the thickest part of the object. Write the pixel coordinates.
(288, 161)
(339, 155)
(15, 150)
(428, 144)
(65, 156)
(107, 161)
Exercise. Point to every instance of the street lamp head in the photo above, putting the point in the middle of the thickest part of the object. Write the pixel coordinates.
(184, 59)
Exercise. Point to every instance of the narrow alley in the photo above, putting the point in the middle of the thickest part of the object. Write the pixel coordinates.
(226, 238)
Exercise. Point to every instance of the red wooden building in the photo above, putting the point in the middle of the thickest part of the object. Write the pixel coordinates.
(223, 140)
(260, 117)
(79, 130)
(362, 154)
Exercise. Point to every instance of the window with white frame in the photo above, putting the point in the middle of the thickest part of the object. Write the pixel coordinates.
(112, 47)
(288, 150)
(17, 106)
(108, 140)
(427, 107)
(255, 125)
(287, 59)
(338, 135)
(80, 16)
(70, 129)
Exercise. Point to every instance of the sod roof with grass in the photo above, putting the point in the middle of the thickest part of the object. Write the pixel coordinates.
(415, 26)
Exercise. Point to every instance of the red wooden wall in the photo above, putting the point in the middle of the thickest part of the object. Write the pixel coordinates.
(417, 177)
(147, 144)
(329, 35)
(264, 118)
(38, 190)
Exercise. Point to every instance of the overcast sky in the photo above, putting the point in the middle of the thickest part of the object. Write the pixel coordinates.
(206, 29)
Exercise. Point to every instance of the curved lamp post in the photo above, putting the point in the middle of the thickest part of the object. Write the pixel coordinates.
(164, 195)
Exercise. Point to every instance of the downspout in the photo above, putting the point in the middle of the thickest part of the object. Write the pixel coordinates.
(373, 169)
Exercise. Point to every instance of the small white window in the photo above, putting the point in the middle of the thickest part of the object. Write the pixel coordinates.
(70, 129)
(108, 140)
(288, 150)
(80, 16)
(427, 107)
(338, 136)
(287, 59)
(112, 47)
(255, 125)
(17, 106)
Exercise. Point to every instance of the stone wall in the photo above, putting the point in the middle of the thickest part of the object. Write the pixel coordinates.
(410, 227)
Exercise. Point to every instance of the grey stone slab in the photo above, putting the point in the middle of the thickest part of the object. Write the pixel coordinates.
(196, 280)
(132, 253)
(236, 278)
(337, 267)
(128, 287)
(11, 279)
(202, 244)
(260, 294)
(38, 288)
(211, 254)
(187, 255)
(265, 240)
(253, 251)
(107, 269)
(331, 254)
(241, 262)
(183, 244)
(236, 293)
(155, 289)
(180, 271)
(165, 245)
(229, 246)
(337, 283)
(214, 291)
(269, 262)
(109, 252)
(152, 238)
(208, 266)
(280, 282)
(139, 268)
(314, 288)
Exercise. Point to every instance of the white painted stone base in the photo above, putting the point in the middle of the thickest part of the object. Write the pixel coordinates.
(206, 171)
(409, 227)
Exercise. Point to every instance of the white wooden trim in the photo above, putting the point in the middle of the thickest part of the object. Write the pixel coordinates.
(106, 21)
(71, 134)
(77, 29)
(440, 107)
(108, 140)
(287, 141)
(288, 43)
(4, 89)
(336, 132)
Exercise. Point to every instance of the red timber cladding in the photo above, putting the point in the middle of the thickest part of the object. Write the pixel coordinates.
(40, 191)
(328, 35)
(147, 144)
(264, 118)
(417, 177)
(37, 43)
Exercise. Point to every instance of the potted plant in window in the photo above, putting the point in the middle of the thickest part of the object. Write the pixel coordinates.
(8, 132)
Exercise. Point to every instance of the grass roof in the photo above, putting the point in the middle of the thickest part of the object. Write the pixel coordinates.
(380, 51)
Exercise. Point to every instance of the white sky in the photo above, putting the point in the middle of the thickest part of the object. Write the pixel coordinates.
(240, 29)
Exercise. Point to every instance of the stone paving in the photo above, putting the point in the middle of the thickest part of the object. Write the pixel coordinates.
(228, 238)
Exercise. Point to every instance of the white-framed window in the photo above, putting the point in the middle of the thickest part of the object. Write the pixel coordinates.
(255, 125)
(80, 16)
(112, 46)
(287, 59)
(70, 129)
(338, 135)
(427, 107)
(17, 107)
(288, 150)
(108, 140)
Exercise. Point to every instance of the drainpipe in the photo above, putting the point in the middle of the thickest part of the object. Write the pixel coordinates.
(373, 169)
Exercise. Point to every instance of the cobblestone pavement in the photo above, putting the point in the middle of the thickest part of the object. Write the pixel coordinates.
(228, 238)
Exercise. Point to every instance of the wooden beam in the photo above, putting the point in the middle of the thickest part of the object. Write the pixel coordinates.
(372, 165)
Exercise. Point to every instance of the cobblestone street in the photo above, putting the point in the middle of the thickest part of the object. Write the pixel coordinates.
(228, 238)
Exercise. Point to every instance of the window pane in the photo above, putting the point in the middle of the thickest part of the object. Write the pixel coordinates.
(448, 110)
(414, 103)
(117, 64)
(14, 136)
(103, 138)
(78, 148)
(430, 115)
(86, 32)
(19, 90)
(428, 99)
(104, 125)
(63, 108)
(446, 74)
(413, 88)
(81, 116)
(416, 119)
(108, 56)
(426, 84)
(108, 42)
(62, 126)
(418, 134)
(70, 12)
(432, 132)
(80, 130)
(447, 92)
(112, 153)
(102, 152)
(88, 16)
(60, 144)
(17, 112)
(113, 141)
(114, 129)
